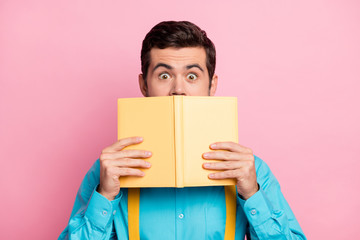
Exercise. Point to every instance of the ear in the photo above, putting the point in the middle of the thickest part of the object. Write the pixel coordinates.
(213, 86)
(142, 85)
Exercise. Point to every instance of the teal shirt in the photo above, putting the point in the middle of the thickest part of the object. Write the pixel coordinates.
(183, 213)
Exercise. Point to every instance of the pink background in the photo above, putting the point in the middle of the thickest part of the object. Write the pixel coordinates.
(294, 66)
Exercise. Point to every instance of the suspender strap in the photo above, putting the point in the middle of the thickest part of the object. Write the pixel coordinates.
(230, 199)
(134, 210)
(133, 213)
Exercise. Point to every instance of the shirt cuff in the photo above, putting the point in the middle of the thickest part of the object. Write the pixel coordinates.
(257, 208)
(100, 211)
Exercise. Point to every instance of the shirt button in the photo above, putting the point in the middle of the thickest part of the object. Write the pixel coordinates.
(253, 211)
(104, 213)
(114, 212)
(181, 216)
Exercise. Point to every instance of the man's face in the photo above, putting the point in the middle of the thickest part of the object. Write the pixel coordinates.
(177, 71)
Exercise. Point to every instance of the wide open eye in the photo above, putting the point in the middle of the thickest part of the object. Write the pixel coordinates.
(192, 76)
(164, 76)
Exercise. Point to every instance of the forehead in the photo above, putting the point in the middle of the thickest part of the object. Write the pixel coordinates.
(178, 57)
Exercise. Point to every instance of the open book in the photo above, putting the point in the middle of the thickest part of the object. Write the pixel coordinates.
(177, 130)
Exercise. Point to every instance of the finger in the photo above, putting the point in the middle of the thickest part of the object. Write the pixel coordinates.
(131, 153)
(129, 172)
(225, 165)
(230, 146)
(122, 143)
(128, 162)
(225, 174)
(227, 156)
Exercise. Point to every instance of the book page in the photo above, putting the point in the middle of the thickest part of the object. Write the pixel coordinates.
(206, 120)
(152, 119)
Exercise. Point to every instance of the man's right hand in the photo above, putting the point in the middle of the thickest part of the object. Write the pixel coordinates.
(116, 162)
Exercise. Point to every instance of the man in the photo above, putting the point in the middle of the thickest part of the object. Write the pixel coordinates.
(178, 58)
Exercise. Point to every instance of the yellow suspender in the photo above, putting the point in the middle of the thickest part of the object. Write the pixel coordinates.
(133, 213)
(230, 200)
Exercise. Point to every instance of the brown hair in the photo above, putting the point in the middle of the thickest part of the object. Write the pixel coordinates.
(177, 34)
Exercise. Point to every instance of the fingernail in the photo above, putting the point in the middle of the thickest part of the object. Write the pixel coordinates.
(148, 164)
(213, 145)
(139, 138)
(206, 155)
(148, 154)
(211, 175)
(206, 165)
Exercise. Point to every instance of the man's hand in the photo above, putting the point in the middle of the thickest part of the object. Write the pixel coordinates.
(116, 162)
(238, 162)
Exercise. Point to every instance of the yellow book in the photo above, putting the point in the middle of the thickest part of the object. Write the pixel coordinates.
(177, 130)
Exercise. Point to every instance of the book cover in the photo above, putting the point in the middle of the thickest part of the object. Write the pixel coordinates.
(177, 130)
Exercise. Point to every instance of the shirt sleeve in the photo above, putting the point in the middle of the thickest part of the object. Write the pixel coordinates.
(268, 213)
(92, 214)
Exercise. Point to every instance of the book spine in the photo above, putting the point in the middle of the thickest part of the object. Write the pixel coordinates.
(179, 146)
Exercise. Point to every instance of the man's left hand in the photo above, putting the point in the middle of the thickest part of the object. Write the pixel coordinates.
(237, 162)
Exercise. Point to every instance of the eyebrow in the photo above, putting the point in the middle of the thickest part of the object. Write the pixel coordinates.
(170, 67)
(194, 65)
(162, 65)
